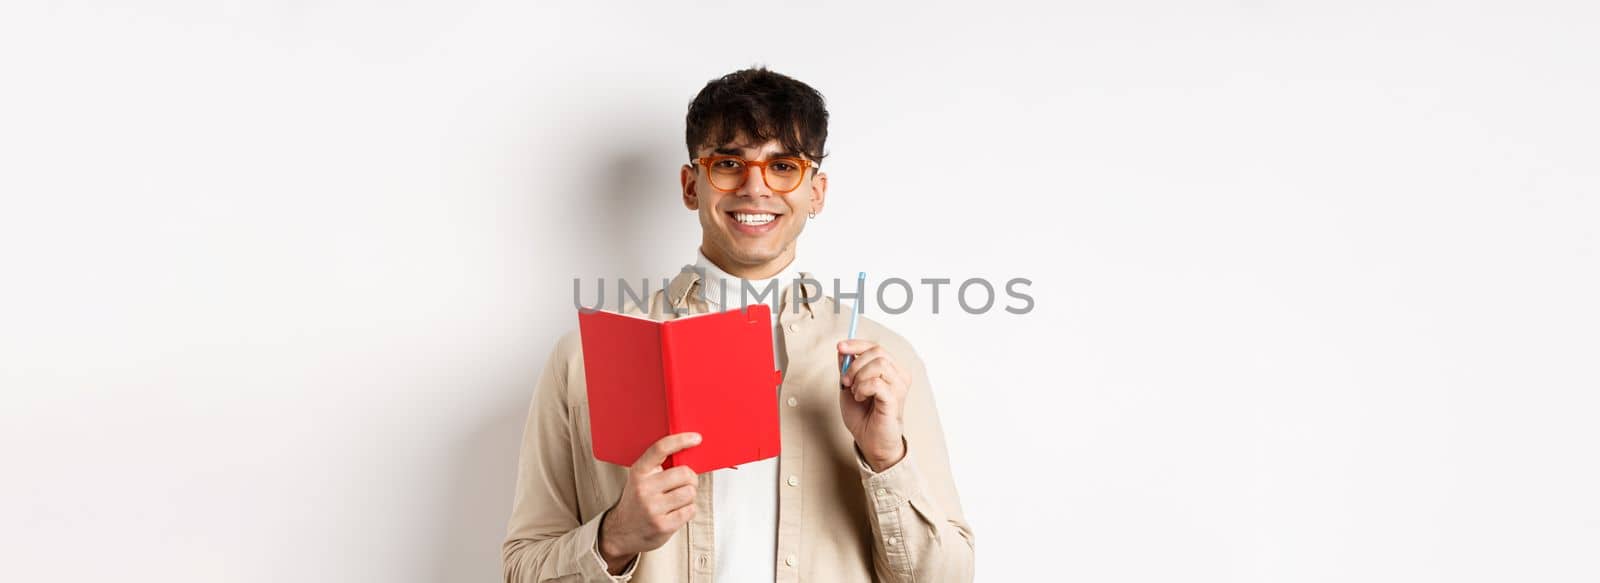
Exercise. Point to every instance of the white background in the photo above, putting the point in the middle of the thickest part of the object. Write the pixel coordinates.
(1315, 283)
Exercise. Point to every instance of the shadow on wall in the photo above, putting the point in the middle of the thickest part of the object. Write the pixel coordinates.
(624, 220)
(638, 216)
(480, 490)
(625, 217)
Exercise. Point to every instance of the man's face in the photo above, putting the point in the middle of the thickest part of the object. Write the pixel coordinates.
(733, 234)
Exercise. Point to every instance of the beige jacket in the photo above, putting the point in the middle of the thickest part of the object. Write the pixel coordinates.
(838, 522)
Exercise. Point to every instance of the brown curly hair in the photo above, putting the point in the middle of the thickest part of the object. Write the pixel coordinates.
(762, 105)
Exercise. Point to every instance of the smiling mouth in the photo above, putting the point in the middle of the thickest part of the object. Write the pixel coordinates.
(752, 219)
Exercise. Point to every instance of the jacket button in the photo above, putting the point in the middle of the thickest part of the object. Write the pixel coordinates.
(789, 560)
(794, 327)
(793, 402)
(794, 480)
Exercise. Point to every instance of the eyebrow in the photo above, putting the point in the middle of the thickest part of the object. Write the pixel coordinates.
(732, 151)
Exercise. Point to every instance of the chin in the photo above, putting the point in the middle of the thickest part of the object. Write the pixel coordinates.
(754, 256)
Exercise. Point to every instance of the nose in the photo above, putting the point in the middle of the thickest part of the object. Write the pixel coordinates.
(755, 182)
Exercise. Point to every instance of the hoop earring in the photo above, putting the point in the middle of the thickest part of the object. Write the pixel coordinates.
(812, 215)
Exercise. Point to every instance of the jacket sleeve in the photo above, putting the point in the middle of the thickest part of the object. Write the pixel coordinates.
(545, 539)
(919, 532)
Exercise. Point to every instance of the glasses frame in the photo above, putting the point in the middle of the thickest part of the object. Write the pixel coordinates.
(707, 161)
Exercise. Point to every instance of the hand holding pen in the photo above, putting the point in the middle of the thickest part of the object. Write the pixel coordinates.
(872, 395)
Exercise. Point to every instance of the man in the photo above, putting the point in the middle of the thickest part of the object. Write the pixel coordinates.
(862, 490)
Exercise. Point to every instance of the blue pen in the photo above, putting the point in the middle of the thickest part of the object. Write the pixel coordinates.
(861, 286)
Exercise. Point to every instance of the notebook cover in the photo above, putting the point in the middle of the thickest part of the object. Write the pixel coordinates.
(627, 395)
(710, 373)
(722, 383)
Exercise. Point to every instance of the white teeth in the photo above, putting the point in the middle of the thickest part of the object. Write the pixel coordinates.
(754, 219)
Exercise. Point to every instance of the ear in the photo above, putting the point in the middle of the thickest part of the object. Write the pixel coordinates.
(686, 180)
(819, 191)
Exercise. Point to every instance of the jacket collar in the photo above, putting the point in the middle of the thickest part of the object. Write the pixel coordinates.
(681, 291)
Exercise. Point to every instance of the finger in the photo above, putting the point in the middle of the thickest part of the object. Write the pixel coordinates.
(860, 362)
(683, 515)
(869, 387)
(855, 346)
(652, 458)
(876, 367)
(874, 380)
(673, 478)
(674, 499)
(902, 378)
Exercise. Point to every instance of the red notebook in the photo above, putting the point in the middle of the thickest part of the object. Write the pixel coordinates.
(709, 373)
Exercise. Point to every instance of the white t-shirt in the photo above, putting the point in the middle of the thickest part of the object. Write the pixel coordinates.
(745, 499)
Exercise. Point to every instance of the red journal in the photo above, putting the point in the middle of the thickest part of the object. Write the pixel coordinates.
(709, 373)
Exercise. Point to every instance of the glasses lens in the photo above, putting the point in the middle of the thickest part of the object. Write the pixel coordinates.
(784, 174)
(727, 173)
